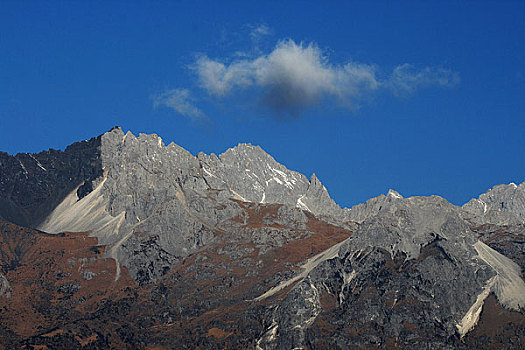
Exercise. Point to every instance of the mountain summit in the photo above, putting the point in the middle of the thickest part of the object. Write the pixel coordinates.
(122, 241)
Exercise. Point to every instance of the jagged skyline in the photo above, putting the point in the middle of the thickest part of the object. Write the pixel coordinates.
(429, 101)
(237, 251)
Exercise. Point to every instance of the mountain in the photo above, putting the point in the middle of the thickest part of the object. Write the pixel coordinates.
(121, 241)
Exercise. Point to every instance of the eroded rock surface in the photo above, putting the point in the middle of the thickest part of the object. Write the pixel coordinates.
(501, 205)
(173, 250)
(414, 275)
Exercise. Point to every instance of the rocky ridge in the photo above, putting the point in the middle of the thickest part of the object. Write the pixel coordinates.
(412, 276)
(236, 251)
(501, 205)
(178, 199)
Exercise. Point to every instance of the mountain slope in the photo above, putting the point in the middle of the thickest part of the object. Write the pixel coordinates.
(413, 276)
(31, 185)
(236, 251)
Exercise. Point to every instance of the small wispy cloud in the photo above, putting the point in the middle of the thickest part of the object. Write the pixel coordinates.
(405, 79)
(295, 76)
(181, 102)
(257, 32)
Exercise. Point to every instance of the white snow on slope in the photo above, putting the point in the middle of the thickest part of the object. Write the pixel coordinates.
(300, 204)
(209, 173)
(472, 316)
(38, 163)
(238, 196)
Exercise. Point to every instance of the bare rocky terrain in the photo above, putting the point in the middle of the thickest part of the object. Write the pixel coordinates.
(123, 242)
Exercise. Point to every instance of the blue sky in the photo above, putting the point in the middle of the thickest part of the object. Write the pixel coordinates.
(422, 97)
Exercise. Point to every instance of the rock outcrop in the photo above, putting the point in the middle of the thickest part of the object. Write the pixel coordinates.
(174, 200)
(501, 205)
(121, 241)
(414, 275)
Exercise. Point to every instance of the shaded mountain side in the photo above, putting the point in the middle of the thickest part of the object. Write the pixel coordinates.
(32, 185)
(507, 240)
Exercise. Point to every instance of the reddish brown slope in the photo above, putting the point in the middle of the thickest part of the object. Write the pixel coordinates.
(64, 293)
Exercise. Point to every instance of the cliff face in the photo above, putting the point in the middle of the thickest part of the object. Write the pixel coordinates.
(178, 201)
(413, 276)
(32, 185)
(237, 251)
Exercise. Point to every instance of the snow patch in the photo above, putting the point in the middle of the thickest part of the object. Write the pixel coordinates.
(258, 186)
(300, 204)
(394, 194)
(38, 163)
(484, 205)
(277, 180)
(209, 173)
(238, 196)
(289, 184)
(22, 165)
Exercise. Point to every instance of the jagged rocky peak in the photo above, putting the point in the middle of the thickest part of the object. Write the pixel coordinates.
(406, 225)
(175, 198)
(501, 205)
(414, 254)
(246, 150)
(393, 194)
(361, 212)
(246, 171)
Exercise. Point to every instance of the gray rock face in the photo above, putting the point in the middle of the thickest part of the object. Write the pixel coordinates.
(404, 226)
(253, 175)
(32, 185)
(155, 204)
(414, 275)
(501, 205)
(360, 212)
(244, 172)
(180, 199)
(5, 287)
(415, 272)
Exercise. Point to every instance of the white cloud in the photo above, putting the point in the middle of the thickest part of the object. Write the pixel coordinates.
(295, 76)
(180, 101)
(259, 31)
(291, 77)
